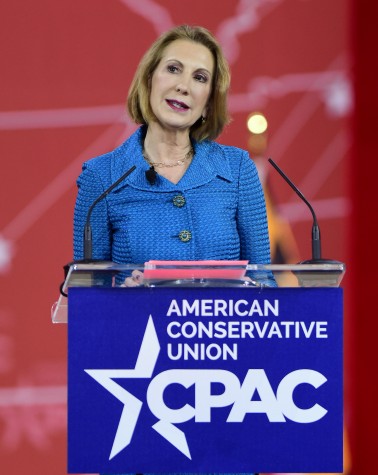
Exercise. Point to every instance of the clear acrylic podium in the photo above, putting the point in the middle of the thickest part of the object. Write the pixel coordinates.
(274, 331)
(110, 274)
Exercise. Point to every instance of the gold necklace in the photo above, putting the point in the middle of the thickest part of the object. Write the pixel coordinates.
(180, 162)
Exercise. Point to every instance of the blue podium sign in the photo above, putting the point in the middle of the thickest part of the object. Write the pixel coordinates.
(205, 380)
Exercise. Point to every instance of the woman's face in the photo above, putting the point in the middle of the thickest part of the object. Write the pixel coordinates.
(181, 85)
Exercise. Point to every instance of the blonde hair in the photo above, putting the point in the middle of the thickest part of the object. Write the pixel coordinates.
(138, 101)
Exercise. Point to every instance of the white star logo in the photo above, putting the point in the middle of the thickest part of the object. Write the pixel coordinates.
(144, 367)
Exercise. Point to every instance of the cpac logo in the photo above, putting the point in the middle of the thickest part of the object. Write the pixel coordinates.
(278, 406)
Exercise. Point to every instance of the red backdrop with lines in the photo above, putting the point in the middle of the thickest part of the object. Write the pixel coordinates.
(66, 69)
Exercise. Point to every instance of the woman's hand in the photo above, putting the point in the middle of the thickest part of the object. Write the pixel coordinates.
(135, 280)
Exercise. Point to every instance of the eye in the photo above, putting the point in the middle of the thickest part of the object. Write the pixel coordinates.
(201, 77)
(172, 68)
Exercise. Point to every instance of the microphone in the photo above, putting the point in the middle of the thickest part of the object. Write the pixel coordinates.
(87, 228)
(315, 237)
(88, 277)
(151, 175)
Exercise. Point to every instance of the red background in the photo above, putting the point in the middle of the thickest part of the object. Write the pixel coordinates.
(308, 65)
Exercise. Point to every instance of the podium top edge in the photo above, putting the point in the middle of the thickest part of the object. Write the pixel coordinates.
(112, 266)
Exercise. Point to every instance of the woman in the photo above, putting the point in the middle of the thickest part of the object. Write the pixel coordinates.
(189, 197)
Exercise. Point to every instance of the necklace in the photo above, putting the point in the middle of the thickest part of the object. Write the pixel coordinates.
(180, 162)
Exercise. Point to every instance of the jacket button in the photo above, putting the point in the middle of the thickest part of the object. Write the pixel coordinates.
(179, 201)
(185, 236)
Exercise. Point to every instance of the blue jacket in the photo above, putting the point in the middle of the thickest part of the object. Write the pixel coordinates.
(216, 211)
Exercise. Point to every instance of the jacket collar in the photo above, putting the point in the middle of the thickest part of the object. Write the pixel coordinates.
(209, 161)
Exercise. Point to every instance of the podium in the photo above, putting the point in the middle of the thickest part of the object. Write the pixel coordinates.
(201, 370)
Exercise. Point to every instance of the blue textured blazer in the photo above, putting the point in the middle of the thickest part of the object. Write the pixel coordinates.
(216, 211)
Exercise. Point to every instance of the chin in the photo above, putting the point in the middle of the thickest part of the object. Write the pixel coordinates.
(176, 126)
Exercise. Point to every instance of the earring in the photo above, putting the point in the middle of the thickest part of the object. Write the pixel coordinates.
(203, 119)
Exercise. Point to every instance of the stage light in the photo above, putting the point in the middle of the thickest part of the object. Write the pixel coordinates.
(257, 123)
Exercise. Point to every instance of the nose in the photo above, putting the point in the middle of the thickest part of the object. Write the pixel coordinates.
(181, 88)
(183, 85)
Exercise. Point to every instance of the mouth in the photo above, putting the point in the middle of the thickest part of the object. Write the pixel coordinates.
(177, 105)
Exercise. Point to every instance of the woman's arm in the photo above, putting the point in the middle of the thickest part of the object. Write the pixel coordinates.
(252, 219)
